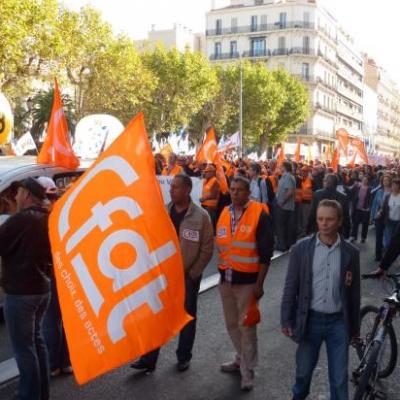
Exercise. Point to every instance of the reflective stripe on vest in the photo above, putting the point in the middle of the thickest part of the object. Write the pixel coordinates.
(239, 250)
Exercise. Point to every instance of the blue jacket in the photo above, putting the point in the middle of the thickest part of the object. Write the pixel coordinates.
(296, 299)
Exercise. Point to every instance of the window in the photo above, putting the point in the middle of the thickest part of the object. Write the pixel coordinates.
(281, 45)
(305, 71)
(282, 20)
(264, 24)
(306, 18)
(218, 27)
(233, 49)
(258, 47)
(306, 44)
(217, 49)
(254, 23)
(234, 24)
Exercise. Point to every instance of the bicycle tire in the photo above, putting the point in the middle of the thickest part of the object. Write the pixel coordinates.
(362, 390)
(389, 367)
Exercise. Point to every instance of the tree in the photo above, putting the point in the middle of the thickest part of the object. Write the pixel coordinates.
(85, 38)
(118, 82)
(184, 83)
(28, 41)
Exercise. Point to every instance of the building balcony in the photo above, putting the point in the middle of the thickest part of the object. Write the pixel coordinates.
(326, 84)
(280, 52)
(327, 59)
(256, 53)
(349, 94)
(349, 112)
(224, 56)
(277, 26)
(319, 106)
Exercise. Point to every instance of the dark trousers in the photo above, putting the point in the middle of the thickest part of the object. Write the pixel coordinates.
(360, 217)
(54, 334)
(24, 317)
(331, 329)
(285, 228)
(188, 333)
(212, 212)
(379, 229)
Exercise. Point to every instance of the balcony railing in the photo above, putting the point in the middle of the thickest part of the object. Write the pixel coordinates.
(319, 106)
(224, 56)
(260, 28)
(257, 53)
(302, 50)
(280, 52)
(327, 59)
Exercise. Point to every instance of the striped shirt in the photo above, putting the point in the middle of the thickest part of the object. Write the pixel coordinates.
(326, 270)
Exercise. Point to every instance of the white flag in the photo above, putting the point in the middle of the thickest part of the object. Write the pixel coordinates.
(24, 143)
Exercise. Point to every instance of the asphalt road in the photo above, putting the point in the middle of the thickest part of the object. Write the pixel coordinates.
(204, 381)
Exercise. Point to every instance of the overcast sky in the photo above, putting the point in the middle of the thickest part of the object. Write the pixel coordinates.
(375, 25)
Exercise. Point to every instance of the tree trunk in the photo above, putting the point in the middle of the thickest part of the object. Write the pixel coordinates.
(264, 142)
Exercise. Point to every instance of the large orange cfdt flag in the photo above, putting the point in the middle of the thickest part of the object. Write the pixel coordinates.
(208, 153)
(360, 146)
(343, 137)
(335, 160)
(120, 281)
(57, 148)
(281, 155)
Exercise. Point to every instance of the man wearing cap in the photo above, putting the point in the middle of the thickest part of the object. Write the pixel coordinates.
(26, 264)
(211, 191)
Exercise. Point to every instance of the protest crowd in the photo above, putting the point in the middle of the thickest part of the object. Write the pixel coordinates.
(248, 209)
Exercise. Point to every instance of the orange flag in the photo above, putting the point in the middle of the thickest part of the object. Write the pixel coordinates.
(119, 280)
(57, 148)
(360, 146)
(281, 155)
(352, 162)
(343, 137)
(297, 152)
(208, 153)
(335, 160)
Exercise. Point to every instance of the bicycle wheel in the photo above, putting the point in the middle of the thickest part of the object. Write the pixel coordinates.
(366, 382)
(369, 323)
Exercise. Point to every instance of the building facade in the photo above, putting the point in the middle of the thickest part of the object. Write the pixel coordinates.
(386, 138)
(179, 37)
(305, 39)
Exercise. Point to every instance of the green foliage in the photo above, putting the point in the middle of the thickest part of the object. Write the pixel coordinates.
(184, 83)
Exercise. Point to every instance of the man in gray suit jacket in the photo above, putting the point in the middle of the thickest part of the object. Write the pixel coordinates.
(321, 301)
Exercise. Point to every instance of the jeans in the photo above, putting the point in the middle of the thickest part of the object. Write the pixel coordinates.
(331, 329)
(379, 228)
(54, 334)
(188, 333)
(360, 217)
(286, 228)
(24, 317)
(390, 227)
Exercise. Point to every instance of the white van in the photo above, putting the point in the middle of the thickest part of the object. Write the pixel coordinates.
(18, 168)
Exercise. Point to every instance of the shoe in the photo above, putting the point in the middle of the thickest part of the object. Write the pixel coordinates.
(67, 370)
(183, 366)
(247, 382)
(55, 372)
(141, 366)
(230, 366)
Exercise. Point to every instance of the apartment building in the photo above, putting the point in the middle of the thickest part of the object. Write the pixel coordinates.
(179, 36)
(304, 38)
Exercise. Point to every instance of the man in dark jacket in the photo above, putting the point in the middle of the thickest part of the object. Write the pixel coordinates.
(321, 302)
(330, 192)
(26, 261)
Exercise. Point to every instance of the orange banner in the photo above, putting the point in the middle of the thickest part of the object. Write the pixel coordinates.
(208, 153)
(335, 160)
(343, 137)
(119, 280)
(281, 155)
(359, 147)
(57, 148)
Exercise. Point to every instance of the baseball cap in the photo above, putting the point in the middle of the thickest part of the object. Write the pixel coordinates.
(48, 184)
(32, 186)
